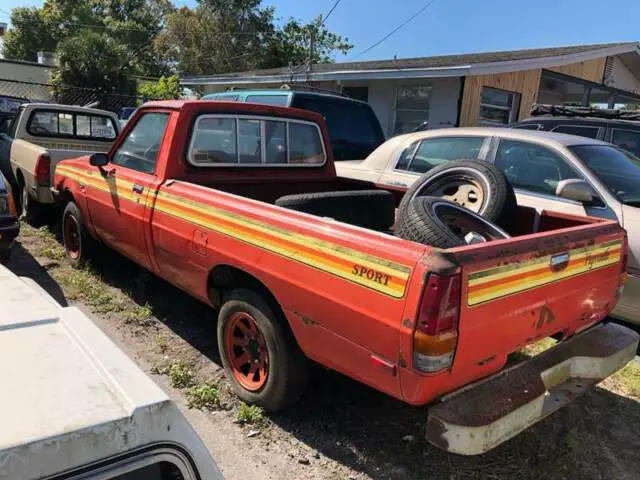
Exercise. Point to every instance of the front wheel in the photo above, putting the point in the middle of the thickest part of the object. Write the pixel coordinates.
(78, 242)
(260, 356)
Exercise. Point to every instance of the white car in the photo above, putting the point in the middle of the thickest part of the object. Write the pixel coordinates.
(549, 171)
(74, 406)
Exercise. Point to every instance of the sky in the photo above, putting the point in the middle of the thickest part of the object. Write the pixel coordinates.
(456, 26)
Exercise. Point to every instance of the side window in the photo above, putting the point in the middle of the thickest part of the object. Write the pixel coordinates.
(628, 140)
(434, 151)
(218, 140)
(579, 130)
(532, 167)
(140, 149)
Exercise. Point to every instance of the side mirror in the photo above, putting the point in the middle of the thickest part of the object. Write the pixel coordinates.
(578, 190)
(99, 159)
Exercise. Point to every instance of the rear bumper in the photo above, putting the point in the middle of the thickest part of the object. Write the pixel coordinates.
(482, 416)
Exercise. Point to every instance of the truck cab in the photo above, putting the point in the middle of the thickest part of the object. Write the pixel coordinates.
(354, 129)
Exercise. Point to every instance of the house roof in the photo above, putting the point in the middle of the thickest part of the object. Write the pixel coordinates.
(445, 65)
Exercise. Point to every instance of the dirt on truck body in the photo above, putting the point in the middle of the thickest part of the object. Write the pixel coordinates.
(188, 192)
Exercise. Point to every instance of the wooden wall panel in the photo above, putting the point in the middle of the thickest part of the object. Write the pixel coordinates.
(526, 83)
(592, 70)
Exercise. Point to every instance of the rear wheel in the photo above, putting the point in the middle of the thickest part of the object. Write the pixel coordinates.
(260, 356)
(33, 211)
(78, 242)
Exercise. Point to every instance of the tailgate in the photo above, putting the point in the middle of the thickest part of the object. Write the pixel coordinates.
(517, 291)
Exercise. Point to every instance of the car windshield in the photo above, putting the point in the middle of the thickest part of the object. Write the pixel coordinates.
(618, 169)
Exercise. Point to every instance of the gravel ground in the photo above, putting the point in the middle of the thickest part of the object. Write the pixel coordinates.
(340, 429)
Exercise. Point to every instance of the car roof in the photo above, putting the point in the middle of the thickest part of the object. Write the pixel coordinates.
(550, 138)
(67, 386)
(283, 92)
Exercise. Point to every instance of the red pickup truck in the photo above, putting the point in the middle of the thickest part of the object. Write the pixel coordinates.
(188, 192)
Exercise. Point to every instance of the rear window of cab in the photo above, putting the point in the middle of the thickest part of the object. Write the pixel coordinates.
(69, 124)
(236, 141)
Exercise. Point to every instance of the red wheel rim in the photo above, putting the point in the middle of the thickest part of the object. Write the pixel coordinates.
(246, 351)
(72, 237)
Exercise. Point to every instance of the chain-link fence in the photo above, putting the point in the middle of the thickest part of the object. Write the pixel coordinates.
(42, 92)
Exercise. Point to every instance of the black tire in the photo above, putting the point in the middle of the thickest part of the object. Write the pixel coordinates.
(498, 199)
(439, 223)
(373, 209)
(287, 372)
(32, 211)
(77, 253)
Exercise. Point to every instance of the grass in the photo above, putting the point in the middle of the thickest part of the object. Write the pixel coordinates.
(250, 415)
(53, 252)
(203, 396)
(181, 375)
(626, 380)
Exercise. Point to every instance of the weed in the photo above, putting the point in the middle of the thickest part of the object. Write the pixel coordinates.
(162, 344)
(180, 375)
(201, 396)
(53, 252)
(250, 414)
(138, 314)
(160, 369)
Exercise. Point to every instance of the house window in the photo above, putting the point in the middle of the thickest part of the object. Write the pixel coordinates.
(498, 107)
(412, 107)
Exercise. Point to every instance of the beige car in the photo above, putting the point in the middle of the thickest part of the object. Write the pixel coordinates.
(42, 134)
(549, 171)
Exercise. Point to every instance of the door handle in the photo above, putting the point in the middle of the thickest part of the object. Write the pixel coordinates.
(137, 188)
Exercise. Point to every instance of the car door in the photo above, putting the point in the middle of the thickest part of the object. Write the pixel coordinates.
(535, 170)
(422, 155)
(117, 204)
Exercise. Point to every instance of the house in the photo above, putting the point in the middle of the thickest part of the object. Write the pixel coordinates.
(464, 90)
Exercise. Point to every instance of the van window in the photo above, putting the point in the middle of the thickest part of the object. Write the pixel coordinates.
(353, 127)
(579, 130)
(282, 100)
(219, 140)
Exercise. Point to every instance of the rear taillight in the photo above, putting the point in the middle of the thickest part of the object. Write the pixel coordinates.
(436, 334)
(42, 175)
(12, 206)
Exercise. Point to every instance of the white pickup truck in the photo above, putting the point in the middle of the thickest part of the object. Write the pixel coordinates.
(42, 134)
(74, 406)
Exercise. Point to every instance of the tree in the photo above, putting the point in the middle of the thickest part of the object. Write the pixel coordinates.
(166, 88)
(301, 44)
(130, 25)
(30, 33)
(220, 36)
(93, 59)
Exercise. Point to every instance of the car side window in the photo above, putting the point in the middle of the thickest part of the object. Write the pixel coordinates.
(139, 151)
(433, 151)
(527, 126)
(533, 167)
(579, 130)
(628, 140)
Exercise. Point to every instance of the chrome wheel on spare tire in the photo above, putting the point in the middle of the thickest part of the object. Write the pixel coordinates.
(474, 184)
(443, 224)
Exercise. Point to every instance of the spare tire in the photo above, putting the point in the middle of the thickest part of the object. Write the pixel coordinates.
(443, 224)
(474, 184)
(373, 209)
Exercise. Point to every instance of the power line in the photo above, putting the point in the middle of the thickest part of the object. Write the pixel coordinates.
(324, 19)
(427, 5)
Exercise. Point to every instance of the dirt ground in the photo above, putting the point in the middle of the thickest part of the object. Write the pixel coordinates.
(340, 429)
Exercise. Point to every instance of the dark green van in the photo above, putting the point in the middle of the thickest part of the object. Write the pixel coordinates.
(354, 129)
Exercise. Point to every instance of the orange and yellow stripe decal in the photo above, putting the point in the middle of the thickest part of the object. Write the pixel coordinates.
(358, 267)
(496, 282)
